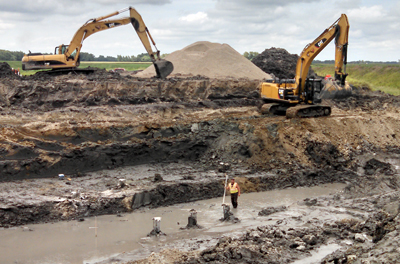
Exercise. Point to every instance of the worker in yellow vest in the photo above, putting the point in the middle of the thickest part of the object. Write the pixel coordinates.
(234, 189)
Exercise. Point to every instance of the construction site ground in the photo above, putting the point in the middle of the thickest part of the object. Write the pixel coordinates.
(173, 140)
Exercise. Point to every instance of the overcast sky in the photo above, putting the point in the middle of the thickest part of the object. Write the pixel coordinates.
(246, 25)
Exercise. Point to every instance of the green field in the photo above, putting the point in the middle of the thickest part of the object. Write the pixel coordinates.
(377, 76)
(129, 66)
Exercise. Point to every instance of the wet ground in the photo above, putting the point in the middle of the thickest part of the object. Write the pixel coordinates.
(128, 144)
(76, 242)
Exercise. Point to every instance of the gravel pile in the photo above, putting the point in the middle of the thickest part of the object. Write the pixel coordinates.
(212, 60)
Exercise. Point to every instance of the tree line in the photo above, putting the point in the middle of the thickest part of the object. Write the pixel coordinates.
(6, 55)
(355, 62)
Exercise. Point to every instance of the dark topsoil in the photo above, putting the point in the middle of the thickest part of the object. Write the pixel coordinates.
(279, 62)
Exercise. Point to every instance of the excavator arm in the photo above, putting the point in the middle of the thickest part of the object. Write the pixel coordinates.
(68, 56)
(301, 97)
(338, 30)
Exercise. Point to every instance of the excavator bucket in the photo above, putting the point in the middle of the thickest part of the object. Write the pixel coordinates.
(332, 90)
(163, 68)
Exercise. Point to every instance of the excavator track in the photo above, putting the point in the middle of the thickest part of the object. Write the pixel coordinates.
(273, 109)
(304, 111)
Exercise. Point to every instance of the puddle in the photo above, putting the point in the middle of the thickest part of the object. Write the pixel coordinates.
(75, 242)
(318, 254)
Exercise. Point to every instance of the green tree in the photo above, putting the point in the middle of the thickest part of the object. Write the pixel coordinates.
(250, 55)
(87, 56)
(6, 55)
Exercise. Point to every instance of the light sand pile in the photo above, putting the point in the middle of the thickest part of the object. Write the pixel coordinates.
(212, 60)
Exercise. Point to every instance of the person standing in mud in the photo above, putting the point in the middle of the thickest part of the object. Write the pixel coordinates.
(234, 189)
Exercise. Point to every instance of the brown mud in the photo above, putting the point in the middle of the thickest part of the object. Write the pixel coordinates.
(101, 127)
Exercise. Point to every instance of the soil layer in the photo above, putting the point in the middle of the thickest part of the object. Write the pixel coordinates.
(99, 128)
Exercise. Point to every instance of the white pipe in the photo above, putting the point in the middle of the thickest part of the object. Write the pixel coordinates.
(226, 181)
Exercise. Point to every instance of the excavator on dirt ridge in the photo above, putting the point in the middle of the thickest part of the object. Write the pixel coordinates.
(300, 97)
(66, 57)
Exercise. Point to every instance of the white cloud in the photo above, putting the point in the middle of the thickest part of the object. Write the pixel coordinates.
(199, 17)
(130, 2)
(372, 14)
(251, 25)
(4, 25)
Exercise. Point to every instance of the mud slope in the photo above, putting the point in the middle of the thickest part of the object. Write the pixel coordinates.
(99, 128)
(76, 124)
(79, 124)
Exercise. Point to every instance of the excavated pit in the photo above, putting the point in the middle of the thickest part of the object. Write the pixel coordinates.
(100, 128)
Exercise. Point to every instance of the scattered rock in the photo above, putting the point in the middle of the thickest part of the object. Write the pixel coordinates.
(271, 210)
(158, 178)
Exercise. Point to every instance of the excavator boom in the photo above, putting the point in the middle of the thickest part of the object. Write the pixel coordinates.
(338, 30)
(300, 97)
(67, 56)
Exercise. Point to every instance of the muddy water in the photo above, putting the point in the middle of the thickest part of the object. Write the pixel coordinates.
(75, 242)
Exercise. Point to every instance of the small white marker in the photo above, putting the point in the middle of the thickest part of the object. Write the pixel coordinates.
(95, 226)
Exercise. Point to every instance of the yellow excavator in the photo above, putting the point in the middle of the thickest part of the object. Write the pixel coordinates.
(300, 97)
(66, 57)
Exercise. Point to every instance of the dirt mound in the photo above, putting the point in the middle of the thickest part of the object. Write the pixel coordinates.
(6, 70)
(278, 62)
(366, 100)
(212, 60)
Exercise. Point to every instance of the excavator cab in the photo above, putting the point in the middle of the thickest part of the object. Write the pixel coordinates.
(60, 49)
(313, 88)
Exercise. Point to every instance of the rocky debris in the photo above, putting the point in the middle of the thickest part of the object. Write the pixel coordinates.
(228, 215)
(310, 202)
(373, 166)
(158, 177)
(271, 210)
(274, 244)
(279, 63)
(366, 100)
(209, 59)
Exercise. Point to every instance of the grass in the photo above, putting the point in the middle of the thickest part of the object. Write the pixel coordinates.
(377, 76)
(129, 66)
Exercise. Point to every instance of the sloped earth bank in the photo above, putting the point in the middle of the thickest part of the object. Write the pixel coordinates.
(91, 127)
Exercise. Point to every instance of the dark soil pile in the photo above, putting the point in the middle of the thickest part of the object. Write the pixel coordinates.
(6, 70)
(278, 62)
(366, 100)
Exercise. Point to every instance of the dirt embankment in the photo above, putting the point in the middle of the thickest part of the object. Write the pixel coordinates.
(78, 125)
(197, 120)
